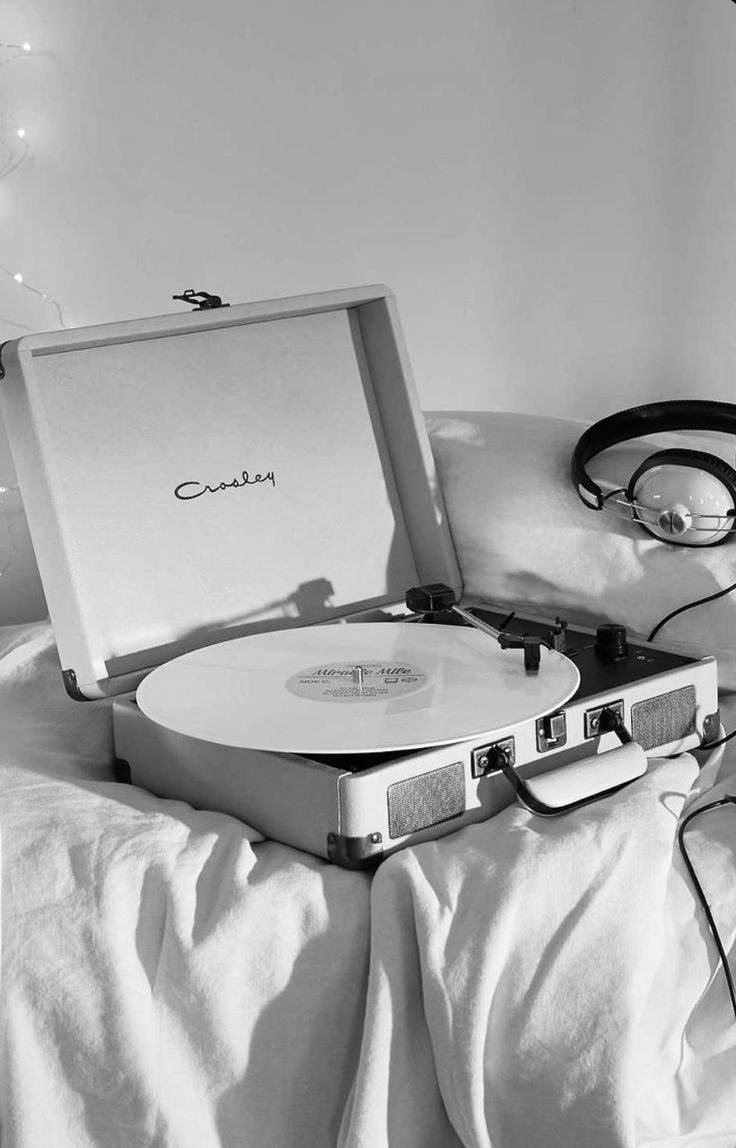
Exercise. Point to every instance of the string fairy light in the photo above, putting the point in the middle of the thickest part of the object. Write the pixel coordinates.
(14, 50)
(14, 143)
(14, 151)
(18, 277)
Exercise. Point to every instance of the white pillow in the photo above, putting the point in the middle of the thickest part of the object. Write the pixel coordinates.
(524, 538)
(21, 593)
(42, 728)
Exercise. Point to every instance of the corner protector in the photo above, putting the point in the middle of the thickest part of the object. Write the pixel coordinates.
(122, 771)
(71, 686)
(354, 852)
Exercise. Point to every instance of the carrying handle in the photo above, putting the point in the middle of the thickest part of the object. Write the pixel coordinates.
(615, 769)
(202, 299)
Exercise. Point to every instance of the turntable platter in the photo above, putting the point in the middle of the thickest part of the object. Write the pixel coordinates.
(353, 688)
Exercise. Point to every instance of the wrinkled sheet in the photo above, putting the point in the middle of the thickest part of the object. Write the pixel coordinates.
(169, 978)
(553, 979)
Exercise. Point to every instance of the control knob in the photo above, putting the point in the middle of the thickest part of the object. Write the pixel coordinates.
(611, 642)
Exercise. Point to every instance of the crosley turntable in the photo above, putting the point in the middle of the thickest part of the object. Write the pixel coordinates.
(228, 507)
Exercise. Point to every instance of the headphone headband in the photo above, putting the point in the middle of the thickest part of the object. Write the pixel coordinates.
(652, 418)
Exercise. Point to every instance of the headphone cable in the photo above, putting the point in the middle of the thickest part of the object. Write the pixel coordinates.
(714, 744)
(727, 800)
(690, 606)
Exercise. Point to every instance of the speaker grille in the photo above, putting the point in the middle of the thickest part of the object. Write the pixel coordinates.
(668, 717)
(426, 799)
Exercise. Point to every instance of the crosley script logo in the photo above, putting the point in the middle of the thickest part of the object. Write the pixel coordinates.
(188, 490)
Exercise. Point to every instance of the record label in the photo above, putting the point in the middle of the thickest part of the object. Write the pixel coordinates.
(358, 681)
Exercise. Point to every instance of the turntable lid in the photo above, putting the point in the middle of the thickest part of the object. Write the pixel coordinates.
(197, 477)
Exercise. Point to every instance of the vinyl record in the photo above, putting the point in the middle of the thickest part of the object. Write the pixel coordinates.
(353, 688)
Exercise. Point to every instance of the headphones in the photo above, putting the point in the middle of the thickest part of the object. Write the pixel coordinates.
(686, 497)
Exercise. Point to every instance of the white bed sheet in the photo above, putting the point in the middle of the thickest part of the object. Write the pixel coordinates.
(168, 978)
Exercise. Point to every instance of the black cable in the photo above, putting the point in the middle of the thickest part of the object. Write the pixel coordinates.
(617, 490)
(728, 800)
(715, 744)
(689, 606)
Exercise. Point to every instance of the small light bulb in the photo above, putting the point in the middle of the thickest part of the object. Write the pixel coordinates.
(18, 277)
(21, 133)
(26, 46)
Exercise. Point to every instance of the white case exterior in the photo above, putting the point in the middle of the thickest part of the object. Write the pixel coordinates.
(346, 816)
(201, 476)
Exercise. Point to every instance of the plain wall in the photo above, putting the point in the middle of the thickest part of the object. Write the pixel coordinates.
(547, 186)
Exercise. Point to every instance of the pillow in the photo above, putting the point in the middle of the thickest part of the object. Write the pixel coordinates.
(524, 539)
(42, 728)
(21, 593)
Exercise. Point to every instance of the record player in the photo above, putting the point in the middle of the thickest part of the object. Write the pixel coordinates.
(243, 542)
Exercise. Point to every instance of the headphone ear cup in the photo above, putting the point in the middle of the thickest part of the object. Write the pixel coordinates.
(684, 456)
(682, 499)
